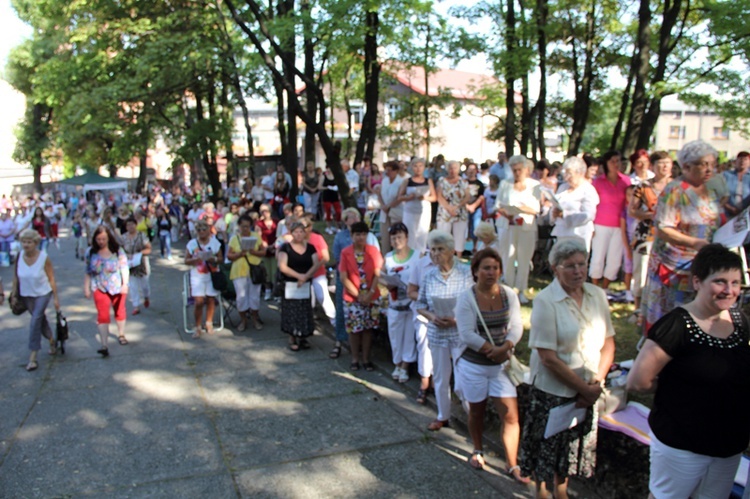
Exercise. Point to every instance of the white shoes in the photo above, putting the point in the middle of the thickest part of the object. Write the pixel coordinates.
(522, 298)
(268, 296)
(400, 375)
(629, 296)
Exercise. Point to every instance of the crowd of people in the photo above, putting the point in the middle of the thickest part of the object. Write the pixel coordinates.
(447, 279)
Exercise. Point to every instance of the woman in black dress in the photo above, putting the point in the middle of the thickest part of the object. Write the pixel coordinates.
(298, 262)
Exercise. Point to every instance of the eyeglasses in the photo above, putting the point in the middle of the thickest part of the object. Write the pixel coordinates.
(573, 266)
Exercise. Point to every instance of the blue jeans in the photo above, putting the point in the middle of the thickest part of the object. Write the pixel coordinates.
(39, 324)
(165, 243)
(341, 334)
(4, 246)
(474, 219)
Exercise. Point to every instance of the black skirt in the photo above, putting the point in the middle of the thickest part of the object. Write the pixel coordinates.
(297, 317)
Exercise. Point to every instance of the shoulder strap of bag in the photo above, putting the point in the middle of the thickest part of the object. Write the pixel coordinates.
(17, 285)
(481, 318)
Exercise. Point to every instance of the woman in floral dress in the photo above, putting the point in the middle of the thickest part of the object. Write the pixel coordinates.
(453, 195)
(687, 215)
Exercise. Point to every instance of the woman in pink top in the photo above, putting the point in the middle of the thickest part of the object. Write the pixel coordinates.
(606, 246)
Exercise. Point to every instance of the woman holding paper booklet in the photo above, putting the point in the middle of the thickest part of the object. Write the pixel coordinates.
(488, 317)
(137, 247)
(245, 250)
(518, 203)
(437, 302)
(298, 262)
(697, 361)
(201, 254)
(359, 269)
(453, 195)
(687, 214)
(574, 205)
(572, 342)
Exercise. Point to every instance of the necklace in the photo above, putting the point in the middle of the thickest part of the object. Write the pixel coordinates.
(492, 295)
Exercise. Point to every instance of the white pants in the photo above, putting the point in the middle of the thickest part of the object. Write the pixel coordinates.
(424, 355)
(419, 226)
(401, 334)
(680, 473)
(248, 294)
(323, 296)
(520, 250)
(606, 253)
(442, 359)
(138, 290)
(458, 229)
(640, 268)
(311, 202)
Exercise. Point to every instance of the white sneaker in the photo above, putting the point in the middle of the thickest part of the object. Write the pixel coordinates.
(522, 298)
(629, 296)
(268, 296)
(396, 374)
(403, 377)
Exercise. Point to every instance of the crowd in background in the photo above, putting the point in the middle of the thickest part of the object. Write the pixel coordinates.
(446, 277)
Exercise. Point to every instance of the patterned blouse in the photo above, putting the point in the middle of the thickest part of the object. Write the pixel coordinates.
(107, 274)
(437, 286)
(453, 194)
(682, 208)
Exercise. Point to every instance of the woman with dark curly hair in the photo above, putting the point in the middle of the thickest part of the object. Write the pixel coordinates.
(107, 279)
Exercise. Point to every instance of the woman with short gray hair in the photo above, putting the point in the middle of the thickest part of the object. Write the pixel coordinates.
(518, 202)
(34, 279)
(578, 199)
(572, 342)
(687, 214)
(438, 293)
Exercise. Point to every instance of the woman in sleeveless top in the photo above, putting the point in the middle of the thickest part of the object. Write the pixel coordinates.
(417, 194)
(489, 341)
(35, 281)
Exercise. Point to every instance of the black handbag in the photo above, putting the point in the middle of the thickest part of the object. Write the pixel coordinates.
(17, 305)
(62, 331)
(257, 273)
(219, 280)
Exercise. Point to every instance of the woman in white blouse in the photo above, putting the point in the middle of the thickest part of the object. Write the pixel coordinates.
(577, 201)
(518, 203)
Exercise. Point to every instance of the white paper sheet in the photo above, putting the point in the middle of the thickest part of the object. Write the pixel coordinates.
(733, 233)
(444, 307)
(294, 292)
(564, 417)
(547, 193)
(391, 281)
(511, 210)
(136, 260)
(248, 243)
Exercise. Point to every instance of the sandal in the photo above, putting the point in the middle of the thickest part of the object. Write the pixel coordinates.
(304, 344)
(335, 352)
(523, 480)
(135, 311)
(476, 460)
(437, 425)
(122, 340)
(209, 329)
(422, 396)
(369, 366)
(293, 345)
(52, 347)
(104, 352)
(354, 366)
(32, 366)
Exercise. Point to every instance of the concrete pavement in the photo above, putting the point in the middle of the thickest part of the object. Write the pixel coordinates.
(230, 415)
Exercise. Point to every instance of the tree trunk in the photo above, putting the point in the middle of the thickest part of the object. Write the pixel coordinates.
(349, 125)
(641, 68)
(426, 100)
(143, 166)
(526, 122)
(368, 132)
(510, 78)
(310, 96)
(227, 113)
(542, 9)
(582, 103)
(624, 103)
(212, 173)
(667, 45)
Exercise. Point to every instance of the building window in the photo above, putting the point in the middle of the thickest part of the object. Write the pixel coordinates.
(394, 110)
(721, 133)
(358, 114)
(676, 132)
